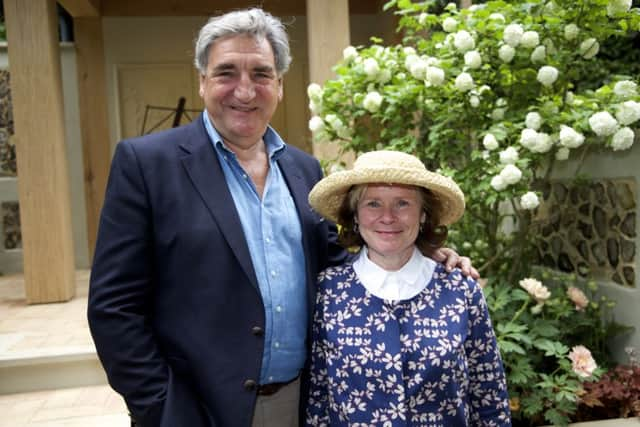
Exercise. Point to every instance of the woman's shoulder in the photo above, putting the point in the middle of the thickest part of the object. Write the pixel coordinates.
(455, 279)
(336, 273)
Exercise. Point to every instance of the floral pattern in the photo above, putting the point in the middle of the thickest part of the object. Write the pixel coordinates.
(431, 360)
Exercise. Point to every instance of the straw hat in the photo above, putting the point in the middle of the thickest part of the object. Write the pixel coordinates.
(392, 167)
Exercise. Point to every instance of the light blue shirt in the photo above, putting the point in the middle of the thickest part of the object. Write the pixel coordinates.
(274, 236)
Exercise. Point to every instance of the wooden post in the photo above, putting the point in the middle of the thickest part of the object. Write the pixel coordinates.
(94, 127)
(43, 176)
(328, 35)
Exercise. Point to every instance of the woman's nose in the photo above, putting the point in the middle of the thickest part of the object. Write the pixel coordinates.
(388, 215)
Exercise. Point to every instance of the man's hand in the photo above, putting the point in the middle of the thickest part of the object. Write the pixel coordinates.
(451, 259)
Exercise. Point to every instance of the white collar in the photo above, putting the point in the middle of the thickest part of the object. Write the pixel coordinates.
(403, 284)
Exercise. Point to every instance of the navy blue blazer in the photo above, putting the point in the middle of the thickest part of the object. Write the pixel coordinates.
(174, 306)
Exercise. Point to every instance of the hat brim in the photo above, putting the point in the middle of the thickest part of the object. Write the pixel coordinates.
(327, 196)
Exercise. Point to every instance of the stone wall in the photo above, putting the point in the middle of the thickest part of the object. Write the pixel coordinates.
(609, 191)
(589, 228)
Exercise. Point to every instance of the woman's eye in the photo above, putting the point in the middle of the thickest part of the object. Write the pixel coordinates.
(372, 204)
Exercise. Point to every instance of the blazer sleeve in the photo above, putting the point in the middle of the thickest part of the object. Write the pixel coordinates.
(121, 301)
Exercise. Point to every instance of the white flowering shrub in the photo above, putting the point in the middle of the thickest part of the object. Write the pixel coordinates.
(494, 97)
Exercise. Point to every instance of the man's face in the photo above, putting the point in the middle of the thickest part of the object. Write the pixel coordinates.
(241, 88)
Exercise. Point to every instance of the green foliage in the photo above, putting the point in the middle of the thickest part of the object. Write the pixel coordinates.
(458, 93)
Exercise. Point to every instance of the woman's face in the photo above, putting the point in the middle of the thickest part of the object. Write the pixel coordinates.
(388, 218)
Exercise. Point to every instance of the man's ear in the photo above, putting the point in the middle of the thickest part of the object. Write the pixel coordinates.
(201, 80)
(280, 89)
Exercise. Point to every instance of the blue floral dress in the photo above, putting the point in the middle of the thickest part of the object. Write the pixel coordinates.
(431, 360)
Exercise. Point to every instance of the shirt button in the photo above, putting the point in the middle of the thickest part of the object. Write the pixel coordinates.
(257, 331)
(268, 240)
(276, 344)
(244, 176)
(278, 309)
(250, 385)
(273, 273)
(271, 379)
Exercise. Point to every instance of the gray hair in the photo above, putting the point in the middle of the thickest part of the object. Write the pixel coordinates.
(255, 22)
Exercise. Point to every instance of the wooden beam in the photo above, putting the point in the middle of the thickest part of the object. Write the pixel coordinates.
(94, 127)
(43, 176)
(209, 8)
(80, 8)
(196, 7)
(327, 35)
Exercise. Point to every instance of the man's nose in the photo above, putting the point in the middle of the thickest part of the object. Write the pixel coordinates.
(245, 89)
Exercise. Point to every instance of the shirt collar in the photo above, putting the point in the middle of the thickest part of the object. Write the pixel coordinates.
(273, 142)
(394, 285)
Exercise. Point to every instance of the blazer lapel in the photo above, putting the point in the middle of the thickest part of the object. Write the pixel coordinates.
(203, 168)
(300, 192)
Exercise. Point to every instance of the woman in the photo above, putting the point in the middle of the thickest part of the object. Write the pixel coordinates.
(397, 340)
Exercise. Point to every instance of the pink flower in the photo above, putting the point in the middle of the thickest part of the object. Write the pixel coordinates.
(578, 298)
(582, 362)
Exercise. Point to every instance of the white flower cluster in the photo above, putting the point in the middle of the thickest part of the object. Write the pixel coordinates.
(562, 153)
(449, 24)
(316, 124)
(513, 34)
(490, 142)
(416, 66)
(628, 112)
(314, 92)
(509, 156)
(625, 89)
(372, 101)
(464, 82)
(472, 59)
(537, 142)
(529, 200)
(616, 7)
(539, 54)
(547, 75)
(371, 68)
(338, 126)
(533, 120)
(571, 31)
(463, 41)
(589, 48)
(530, 39)
(435, 76)
(570, 138)
(509, 175)
(603, 123)
(349, 54)
(506, 53)
(622, 139)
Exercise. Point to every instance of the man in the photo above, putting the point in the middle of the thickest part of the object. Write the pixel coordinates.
(207, 251)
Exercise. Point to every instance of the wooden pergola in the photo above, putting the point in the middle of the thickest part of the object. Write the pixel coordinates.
(32, 32)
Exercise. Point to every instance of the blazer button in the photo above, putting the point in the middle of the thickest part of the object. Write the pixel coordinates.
(250, 385)
(257, 331)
